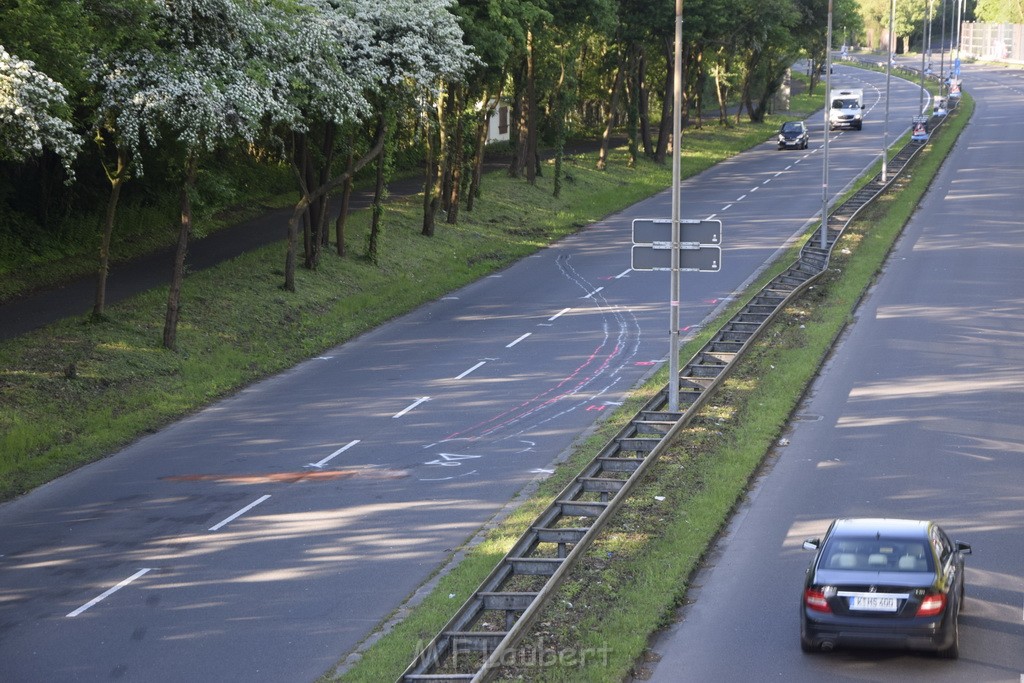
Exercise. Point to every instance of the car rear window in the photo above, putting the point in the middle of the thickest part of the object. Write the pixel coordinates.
(871, 554)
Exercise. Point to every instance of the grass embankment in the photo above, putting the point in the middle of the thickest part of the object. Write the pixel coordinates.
(75, 391)
(636, 575)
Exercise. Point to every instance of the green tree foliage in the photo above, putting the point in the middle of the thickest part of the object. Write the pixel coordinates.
(1000, 11)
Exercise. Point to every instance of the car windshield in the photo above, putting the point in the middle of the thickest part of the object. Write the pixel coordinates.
(872, 554)
(844, 104)
(791, 127)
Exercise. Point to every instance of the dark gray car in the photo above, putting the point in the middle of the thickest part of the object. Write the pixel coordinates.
(892, 583)
(793, 134)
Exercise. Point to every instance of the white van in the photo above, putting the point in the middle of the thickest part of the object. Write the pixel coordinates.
(846, 108)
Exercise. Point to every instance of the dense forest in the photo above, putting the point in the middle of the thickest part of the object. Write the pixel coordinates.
(112, 109)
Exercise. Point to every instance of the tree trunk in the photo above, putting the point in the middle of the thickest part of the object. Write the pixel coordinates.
(558, 115)
(170, 341)
(613, 97)
(346, 195)
(456, 155)
(325, 175)
(431, 178)
(373, 243)
(644, 102)
(517, 129)
(116, 178)
(307, 197)
(532, 153)
(478, 153)
(665, 128)
(632, 106)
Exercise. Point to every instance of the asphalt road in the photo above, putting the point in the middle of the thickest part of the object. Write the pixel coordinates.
(266, 536)
(917, 414)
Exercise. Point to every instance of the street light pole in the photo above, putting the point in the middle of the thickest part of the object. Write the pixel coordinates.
(888, 81)
(677, 150)
(920, 97)
(828, 106)
(942, 57)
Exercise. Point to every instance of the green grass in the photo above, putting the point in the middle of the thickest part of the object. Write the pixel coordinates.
(637, 573)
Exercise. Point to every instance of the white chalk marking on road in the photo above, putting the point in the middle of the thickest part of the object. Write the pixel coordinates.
(325, 357)
(509, 346)
(449, 298)
(711, 217)
(541, 470)
(753, 189)
(451, 459)
(741, 198)
(333, 455)
(459, 476)
(726, 207)
(593, 293)
(767, 181)
(411, 406)
(624, 273)
(107, 593)
(241, 512)
(470, 370)
(559, 314)
(789, 167)
(778, 174)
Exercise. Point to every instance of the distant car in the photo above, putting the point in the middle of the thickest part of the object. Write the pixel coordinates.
(793, 134)
(890, 583)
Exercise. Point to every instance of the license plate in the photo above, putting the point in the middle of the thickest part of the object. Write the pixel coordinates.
(873, 603)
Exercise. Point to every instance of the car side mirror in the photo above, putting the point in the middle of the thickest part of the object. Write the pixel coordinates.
(813, 543)
(964, 548)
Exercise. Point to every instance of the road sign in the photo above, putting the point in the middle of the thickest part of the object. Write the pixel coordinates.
(658, 256)
(691, 231)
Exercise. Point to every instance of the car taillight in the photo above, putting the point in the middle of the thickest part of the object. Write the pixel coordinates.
(816, 600)
(931, 605)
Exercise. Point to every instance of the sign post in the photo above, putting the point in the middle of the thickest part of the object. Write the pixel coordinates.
(676, 245)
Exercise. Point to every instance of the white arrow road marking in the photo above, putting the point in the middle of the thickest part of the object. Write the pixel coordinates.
(107, 593)
(333, 455)
(238, 514)
(410, 407)
(451, 459)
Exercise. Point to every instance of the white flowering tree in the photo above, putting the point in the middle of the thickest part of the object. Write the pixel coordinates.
(34, 115)
(200, 84)
(357, 56)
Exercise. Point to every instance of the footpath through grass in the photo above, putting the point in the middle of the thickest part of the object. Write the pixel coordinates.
(637, 573)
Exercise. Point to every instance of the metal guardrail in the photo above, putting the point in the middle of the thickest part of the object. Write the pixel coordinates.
(488, 626)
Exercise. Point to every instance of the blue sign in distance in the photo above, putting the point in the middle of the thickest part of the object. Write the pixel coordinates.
(956, 66)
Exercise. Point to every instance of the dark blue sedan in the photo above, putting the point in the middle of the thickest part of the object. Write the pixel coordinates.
(890, 583)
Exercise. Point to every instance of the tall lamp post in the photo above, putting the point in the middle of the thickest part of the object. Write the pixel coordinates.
(888, 81)
(828, 106)
(677, 150)
(942, 54)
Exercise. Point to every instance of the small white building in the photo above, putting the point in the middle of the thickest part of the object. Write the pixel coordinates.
(498, 122)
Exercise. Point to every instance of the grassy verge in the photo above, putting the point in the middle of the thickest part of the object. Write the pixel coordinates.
(636, 574)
